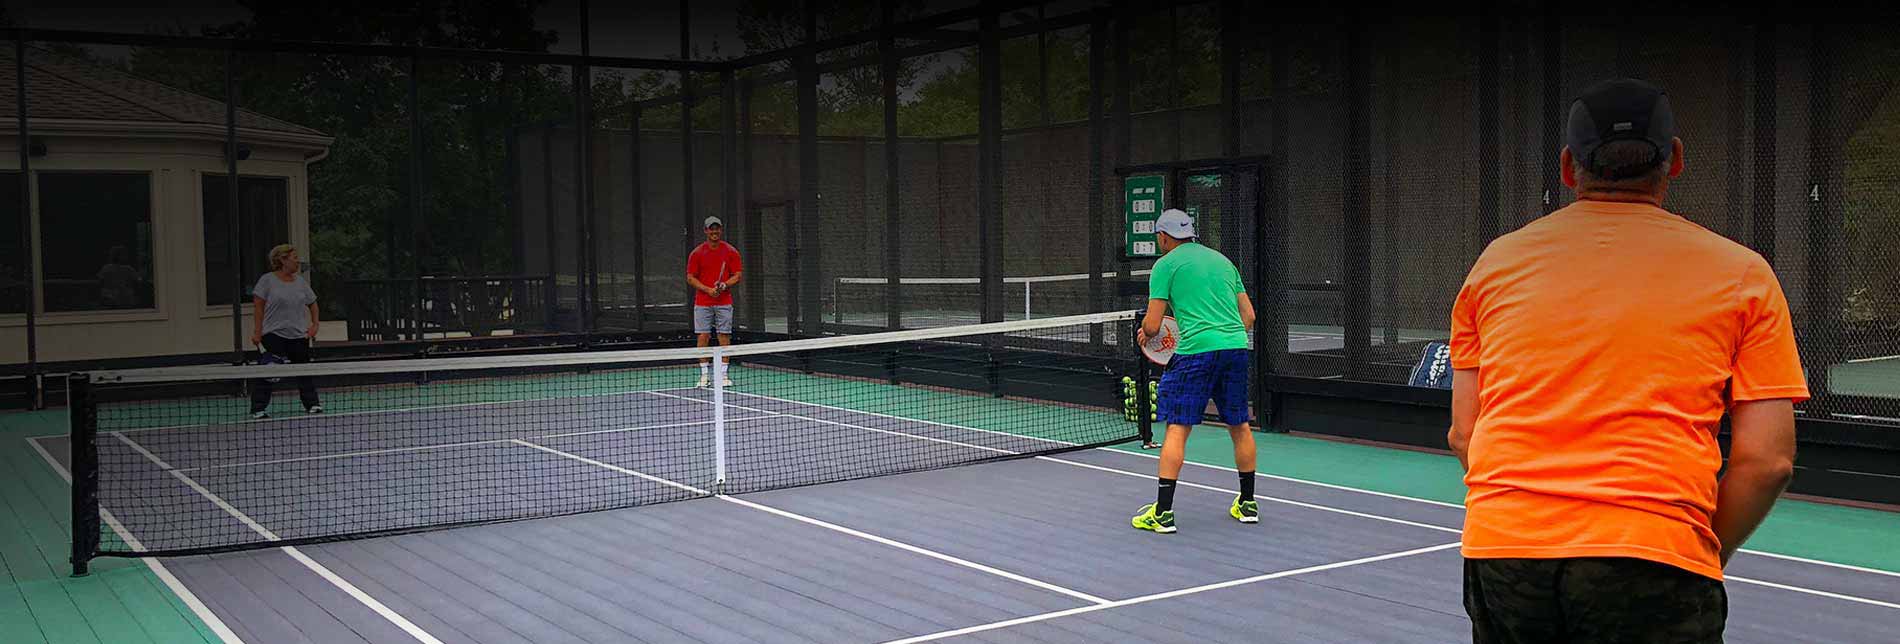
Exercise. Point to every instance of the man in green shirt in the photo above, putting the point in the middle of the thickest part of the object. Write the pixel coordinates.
(1210, 360)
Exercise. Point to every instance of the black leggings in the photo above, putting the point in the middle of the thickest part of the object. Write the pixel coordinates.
(297, 352)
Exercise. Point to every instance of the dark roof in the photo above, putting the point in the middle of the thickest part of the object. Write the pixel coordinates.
(63, 87)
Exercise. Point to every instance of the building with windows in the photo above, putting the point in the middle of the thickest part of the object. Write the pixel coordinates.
(128, 208)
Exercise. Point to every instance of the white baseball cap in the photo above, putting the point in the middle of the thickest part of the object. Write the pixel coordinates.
(714, 221)
(1176, 224)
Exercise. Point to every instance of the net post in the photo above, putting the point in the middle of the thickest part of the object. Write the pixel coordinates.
(993, 366)
(85, 471)
(1026, 284)
(1144, 406)
(719, 420)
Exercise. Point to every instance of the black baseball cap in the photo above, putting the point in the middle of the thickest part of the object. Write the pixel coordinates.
(1622, 109)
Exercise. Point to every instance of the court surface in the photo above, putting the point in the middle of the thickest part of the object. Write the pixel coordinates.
(1029, 550)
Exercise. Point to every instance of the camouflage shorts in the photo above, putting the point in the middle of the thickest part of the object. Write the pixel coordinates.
(1607, 601)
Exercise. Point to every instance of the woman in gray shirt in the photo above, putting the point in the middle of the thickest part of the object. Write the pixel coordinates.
(284, 322)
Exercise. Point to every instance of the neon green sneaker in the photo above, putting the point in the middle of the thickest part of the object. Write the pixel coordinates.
(1148, 520)
(1247, 511)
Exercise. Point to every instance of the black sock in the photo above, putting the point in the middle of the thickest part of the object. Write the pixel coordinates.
(1246, 486)
(1164, 496)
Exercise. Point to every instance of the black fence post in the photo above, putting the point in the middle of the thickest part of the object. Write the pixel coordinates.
(587, 282)
(1761, 236)
(1144, 403)
(1553, 109)
(1098, 233)
(808, 212)
(1488, 152)
(416, 150)
(989, 161)
(639, 220)
(1270, 327)
(84, 460)
(893, 231)
(690, 223)
(34, 392)
(1262, 357)
(1122, 113)
(1356, 251)
(1825, 343)
(729, 158)
(233, 205)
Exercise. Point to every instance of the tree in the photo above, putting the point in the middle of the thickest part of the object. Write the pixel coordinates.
(360, 196)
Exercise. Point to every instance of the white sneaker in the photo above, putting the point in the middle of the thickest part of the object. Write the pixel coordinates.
(313, 409)
(727, 382)
(704, 380)
(260, 415)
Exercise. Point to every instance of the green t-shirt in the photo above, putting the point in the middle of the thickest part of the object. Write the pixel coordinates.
(1204, 289)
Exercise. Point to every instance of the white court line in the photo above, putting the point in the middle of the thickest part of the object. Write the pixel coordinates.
(1172, 594)
(1330, 486)
(1811, 591)
(142, 452)
(1859, 473)
(342, 584)
(834, 527)
(1872, 571)
(1884, 419)
(165, 576)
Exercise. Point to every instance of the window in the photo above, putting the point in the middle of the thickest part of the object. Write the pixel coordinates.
(14, 271)
(96, 240)
(264, 203)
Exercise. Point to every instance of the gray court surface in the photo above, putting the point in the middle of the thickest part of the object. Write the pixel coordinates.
(1033, 550)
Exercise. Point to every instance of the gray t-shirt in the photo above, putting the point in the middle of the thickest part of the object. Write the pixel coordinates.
(286, 305)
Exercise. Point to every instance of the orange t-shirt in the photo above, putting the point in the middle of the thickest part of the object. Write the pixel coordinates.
(1608, 339)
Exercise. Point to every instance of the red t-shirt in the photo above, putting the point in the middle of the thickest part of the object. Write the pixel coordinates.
(710, 265)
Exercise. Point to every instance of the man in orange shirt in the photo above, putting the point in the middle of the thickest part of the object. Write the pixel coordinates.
(1595, 352)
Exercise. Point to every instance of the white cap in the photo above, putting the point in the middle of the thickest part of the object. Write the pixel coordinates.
(1176, 224)
(714, 221)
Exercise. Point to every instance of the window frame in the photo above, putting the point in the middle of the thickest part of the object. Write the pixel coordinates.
(159, 229)
(202, 264)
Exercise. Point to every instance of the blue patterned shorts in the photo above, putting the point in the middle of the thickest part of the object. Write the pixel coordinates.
(1191, 380)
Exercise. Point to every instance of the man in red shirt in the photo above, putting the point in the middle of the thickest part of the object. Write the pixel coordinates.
(713, 269)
